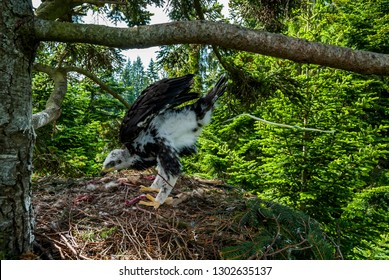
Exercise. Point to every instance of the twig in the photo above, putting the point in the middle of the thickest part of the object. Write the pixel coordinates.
(60, 251)
(294, 247)
(282, 125)
(151, 213)
(128, 235)
(69, 245)
(43, 250)
(275, 237)
(156, 237)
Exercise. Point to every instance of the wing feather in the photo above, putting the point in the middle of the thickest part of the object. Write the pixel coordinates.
(156, 98)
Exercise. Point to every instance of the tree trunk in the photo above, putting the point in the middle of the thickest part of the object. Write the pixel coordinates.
(17, 49)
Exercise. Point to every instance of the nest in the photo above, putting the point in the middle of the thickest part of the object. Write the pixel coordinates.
(99, 218)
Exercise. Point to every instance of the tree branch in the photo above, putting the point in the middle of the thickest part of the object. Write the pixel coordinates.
(216, 33)
(282, 125)
(100, 2)
(102, 85)
(53, 9)
(53, 104)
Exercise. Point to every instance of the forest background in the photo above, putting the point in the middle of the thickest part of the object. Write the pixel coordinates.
(340, 179)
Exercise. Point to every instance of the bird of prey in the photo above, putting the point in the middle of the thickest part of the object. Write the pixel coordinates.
(156, 131)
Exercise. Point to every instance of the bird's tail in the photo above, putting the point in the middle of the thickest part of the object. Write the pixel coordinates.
(205, 104)
(215, 92)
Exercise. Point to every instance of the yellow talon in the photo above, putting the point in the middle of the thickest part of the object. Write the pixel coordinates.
(148, 189)
(169, 201)
(153, 203)
(150, 197)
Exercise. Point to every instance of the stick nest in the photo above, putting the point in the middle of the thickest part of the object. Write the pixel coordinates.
(98, 218)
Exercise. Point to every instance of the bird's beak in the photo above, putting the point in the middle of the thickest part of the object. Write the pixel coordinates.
(105, 171)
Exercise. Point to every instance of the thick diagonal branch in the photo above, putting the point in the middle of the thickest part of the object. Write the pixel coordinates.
(216, 33)
(52, 110)
(53, 104)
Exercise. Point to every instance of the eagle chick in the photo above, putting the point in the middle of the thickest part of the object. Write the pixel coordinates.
(155, 132)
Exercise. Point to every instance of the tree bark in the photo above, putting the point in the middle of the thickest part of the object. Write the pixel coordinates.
(218, 34)
(17, 50)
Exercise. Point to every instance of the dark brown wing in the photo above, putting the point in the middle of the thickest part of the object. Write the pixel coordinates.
(155, 98)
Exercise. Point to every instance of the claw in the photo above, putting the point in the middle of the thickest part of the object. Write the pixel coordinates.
(148, 189)
(169, 201)
(152, 202)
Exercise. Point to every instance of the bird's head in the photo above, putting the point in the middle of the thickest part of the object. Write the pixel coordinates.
(117, 160)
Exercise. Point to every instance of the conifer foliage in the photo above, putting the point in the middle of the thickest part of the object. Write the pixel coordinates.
(277, 232)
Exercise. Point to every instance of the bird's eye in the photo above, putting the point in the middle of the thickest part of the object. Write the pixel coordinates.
(110, 164)
(119, 161)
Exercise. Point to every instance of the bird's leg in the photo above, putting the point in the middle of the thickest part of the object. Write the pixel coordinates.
(155, 186)
(164, 190)
(168, 171)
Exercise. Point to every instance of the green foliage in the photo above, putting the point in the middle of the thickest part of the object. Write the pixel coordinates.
(277, 232)
(372, 250)
(365, 24)
(365, 225)
(134, 78)
(152, 72)
(267, 14)
(178, 60)
(86, 56)
(317, 173)
(314, 172)
(73, 145)
(190, 9)
(133, 12)
(97, 235)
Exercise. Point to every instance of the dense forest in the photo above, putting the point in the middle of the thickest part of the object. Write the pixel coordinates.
(311, 139)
